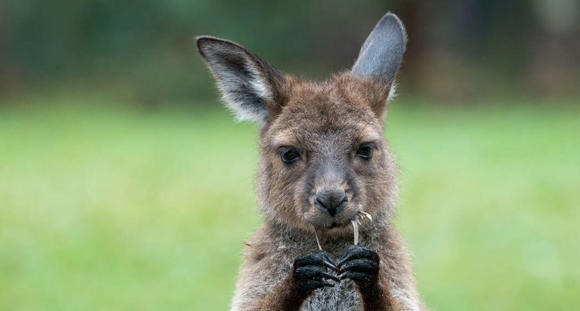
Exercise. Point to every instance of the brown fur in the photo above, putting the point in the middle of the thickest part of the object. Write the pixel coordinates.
(326, 123)
(353, 108)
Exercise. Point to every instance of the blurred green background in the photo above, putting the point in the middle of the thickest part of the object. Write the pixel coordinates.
(125, 185)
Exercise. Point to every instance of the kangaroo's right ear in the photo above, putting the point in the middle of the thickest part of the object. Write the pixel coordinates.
(250, 86)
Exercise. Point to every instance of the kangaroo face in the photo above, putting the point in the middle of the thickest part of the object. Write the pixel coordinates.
(323, 156)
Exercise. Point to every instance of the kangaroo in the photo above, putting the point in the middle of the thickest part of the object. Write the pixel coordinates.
(323, 164)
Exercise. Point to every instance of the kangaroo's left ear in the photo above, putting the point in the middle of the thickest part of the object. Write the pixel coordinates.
(251, 87)
(382, 52)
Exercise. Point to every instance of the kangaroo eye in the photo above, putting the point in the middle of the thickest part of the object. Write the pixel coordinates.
(289, 155)
(365, 151)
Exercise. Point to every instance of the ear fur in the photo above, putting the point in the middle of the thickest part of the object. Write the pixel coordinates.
(249, 85)
(382, 52)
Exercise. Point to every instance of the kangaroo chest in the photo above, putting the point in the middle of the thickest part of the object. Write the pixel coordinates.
(342, 297)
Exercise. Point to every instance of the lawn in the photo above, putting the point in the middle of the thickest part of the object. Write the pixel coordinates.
(105, 208)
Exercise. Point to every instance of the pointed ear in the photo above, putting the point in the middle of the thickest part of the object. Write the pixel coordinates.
(250, 86)
(382, 52)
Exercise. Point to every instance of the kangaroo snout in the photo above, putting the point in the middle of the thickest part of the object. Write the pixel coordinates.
(330, 200)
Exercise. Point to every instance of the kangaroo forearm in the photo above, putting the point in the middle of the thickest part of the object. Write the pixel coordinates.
(378, 298)
(285, 297)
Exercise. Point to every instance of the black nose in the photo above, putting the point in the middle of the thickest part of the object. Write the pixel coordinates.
(330, 201)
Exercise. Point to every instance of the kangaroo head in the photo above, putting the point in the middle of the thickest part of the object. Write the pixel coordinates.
(323, 155)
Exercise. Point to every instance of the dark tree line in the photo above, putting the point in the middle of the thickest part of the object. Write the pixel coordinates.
(145, 48)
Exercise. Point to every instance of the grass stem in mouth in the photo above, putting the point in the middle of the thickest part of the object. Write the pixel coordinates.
(367, 215)
(359, 220)
(355, 230)
(317, 240)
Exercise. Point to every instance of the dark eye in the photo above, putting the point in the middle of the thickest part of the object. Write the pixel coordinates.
(289, 155)
(365, 151)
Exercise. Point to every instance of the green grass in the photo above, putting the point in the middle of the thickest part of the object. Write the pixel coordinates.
(116, 209)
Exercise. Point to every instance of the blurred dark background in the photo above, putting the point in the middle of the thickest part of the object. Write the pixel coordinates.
(144, 50)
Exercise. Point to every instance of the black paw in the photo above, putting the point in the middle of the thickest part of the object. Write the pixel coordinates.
(312, 272)
(361, 265)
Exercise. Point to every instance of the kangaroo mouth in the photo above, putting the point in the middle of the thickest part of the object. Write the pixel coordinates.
(359, 217)
(327, 222)
(334, 225)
